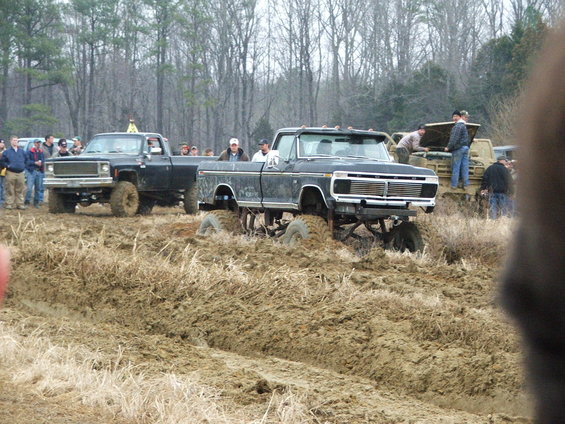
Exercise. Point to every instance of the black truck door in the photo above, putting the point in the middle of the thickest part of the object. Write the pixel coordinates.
(158, 168)
(277, 180)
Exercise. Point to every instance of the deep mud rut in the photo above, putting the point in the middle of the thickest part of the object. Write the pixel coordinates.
(377, 339)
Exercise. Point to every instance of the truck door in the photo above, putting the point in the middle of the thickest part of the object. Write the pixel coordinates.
(277, 181)
(158, 169)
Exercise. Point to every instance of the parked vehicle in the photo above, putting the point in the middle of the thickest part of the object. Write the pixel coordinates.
(331, 180)
(481, 156)
(131, 171)
(509, 151)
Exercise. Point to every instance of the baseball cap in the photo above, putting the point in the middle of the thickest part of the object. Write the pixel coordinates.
(194, 148)
(501, 157)
(37, 140)
(76, 138)
(263, 141)
(234, 141)
(62, 143)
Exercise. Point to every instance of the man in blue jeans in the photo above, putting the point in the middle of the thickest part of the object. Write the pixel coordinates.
(35, 163)
(498, 185)
(459, 147)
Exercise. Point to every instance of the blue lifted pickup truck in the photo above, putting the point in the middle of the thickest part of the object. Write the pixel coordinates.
(331, 181)
(131, 171)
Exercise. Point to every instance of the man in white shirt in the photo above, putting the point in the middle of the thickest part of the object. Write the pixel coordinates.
(261, 155)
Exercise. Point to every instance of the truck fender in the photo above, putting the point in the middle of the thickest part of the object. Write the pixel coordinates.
(224, 190)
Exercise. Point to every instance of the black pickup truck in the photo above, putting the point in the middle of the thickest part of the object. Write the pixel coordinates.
(131, 171)
(331, 180)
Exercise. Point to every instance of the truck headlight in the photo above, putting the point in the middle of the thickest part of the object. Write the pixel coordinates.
(105, 168)
(340, 174)
(50, 168)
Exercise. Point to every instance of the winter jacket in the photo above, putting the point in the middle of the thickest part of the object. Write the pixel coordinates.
(459, 136)
(32, 156)
(241, 155)
(497, 179)
(14, 160)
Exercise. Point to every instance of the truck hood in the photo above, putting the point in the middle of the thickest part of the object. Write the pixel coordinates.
(359, 165)
(437, 134)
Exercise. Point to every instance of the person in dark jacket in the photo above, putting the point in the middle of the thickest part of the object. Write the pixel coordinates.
(14, 159)
(234, 153)
(35, 165)
(497, 184)
(459, 147)
(48, 146)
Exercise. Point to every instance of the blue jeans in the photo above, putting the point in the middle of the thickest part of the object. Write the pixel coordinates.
(2, 190)
(460, 166)
(34, 180)
(499, 205)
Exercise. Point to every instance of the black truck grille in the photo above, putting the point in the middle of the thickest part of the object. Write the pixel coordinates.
(76, 169)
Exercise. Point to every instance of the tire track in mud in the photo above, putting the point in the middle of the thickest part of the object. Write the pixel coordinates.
(374, 338)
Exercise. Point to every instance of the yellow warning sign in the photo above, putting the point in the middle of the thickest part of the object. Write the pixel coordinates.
(131, 127)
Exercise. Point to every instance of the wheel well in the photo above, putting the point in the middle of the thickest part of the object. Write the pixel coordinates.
(224, 198)
(128, 176)
(312, 201)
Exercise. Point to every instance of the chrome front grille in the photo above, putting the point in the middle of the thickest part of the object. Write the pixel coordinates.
(364, 188)
(75, 169)
(404, 190)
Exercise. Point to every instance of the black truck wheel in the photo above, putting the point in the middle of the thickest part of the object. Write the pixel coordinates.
(145, 205)
(405, 236)
(190, 201)
(220, 220)
(308, 227)
(124, 200)
(58, 203)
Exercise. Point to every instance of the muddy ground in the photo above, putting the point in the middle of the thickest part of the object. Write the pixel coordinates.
(377, 338)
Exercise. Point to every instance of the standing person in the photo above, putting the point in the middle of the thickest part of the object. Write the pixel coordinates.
(261, 155)
(63, 151)
(194, 151)
(459, 147)
(411, 143)
(48, 147)
(14, 159)
(234, 153)
(77, 146)
(184, 150)
(35, 165)
(2, 171)
(497, 183)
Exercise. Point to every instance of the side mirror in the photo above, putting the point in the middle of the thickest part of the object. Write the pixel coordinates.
(273, 158)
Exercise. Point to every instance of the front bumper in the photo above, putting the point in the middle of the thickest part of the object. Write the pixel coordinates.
(51, 182)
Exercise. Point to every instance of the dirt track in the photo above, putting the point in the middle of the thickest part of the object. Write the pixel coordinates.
(382, 338)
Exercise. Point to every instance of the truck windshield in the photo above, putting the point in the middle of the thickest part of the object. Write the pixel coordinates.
(334, 145)
(114, 144)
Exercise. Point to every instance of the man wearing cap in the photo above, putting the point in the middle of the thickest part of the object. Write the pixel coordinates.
(2, 172)
(234, 153)
(194, 151)
(458, 145)
(184, 150)
(63, 151)
(261, 155)
(411, 143)
(77, 146)
(14, 159)
(35, 170)
(497, 184)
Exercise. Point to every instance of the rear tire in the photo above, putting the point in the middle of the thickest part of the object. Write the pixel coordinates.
(58, 203)
(220, 220)
(405, 237)
(307, 227)
(124, 200)
(190, 201)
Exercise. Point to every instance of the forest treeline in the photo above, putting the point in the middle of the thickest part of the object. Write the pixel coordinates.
(201, 71)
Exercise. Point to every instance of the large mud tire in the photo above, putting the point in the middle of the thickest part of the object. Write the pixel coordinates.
(124, 200)
(307, 227)
(406, 237)
(146, 205)
(190, 201)
(58, 203)
(220, 220)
